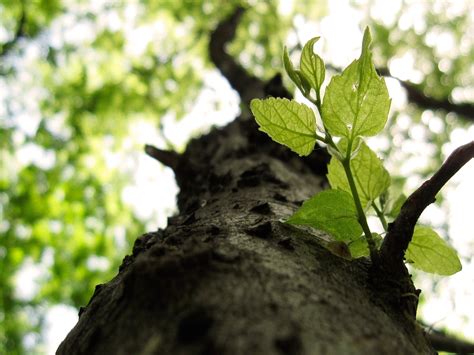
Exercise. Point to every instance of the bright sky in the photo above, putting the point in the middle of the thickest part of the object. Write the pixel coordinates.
(450, 306)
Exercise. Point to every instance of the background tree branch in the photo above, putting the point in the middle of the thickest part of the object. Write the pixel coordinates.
(248, 86)
(444, 342)
(422, 100)
(19, 33)
(416, 96)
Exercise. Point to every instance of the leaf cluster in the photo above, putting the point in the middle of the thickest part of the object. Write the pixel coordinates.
(355, 106)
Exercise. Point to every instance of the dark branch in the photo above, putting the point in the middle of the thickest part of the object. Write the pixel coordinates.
(416, 96)
(246, 85)
(168, 158)
(443, 342)
(20, 32)
(419, 98)
(401, 230)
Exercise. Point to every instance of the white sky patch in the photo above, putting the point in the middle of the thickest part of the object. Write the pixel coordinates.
(217, 105)
(403, 68)
(451, 305)
(28, 276)
(463, 94)
(386, 11)
(26, 280)
(139, 38)
(285, 7)
(31, 153)
(442, 41)
(414, 16)
(97, 263)
(396, 93)
(461, 232)
(56, 125)
(59, 321)
(342, 33)
(434, 123)
(153, 192)
(459, 192)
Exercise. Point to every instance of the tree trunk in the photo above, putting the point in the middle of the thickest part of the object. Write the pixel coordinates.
(228, 277)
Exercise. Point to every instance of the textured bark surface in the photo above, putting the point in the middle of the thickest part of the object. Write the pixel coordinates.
(227, 277)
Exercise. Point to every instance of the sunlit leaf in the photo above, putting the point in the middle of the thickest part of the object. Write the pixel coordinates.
(286, 122)
(311, 65)
(332, 211)
(427, 251)
(356, 103)
(371, 178)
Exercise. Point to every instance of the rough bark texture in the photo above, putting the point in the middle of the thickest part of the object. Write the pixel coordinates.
(227, 277)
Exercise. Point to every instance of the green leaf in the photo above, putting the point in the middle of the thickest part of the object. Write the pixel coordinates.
(312, 66)
(356, 103)
(427, 251)
(286, 122)
(290, 70)
(332, 211)
(370, 176)
(295, 75)
(360, 247)
(305, 85)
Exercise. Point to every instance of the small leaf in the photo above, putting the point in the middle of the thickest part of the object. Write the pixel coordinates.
(356, 103)
(429, 252)
(312, 66)
(332, 211)
(360, 247)
(290, 70)
(371, 178)
(286, 122)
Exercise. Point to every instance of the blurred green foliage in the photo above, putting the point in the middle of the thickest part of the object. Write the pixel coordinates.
(76, 75)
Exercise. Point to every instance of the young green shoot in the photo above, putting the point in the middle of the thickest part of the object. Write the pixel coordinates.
(355, 106)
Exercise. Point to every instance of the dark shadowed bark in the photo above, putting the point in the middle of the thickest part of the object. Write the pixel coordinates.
(228, 277)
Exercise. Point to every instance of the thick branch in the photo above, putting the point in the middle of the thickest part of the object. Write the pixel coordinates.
(401, 230)
(443, 342)
(246, 85)
(416, 96)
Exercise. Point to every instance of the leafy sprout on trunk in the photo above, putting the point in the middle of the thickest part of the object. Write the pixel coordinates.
(355, 105)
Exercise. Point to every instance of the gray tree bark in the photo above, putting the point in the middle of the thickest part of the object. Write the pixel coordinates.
(228, 277)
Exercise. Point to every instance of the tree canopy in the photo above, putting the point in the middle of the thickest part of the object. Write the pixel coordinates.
(81, 82)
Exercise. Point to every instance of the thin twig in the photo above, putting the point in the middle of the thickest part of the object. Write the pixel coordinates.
(401, 230)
